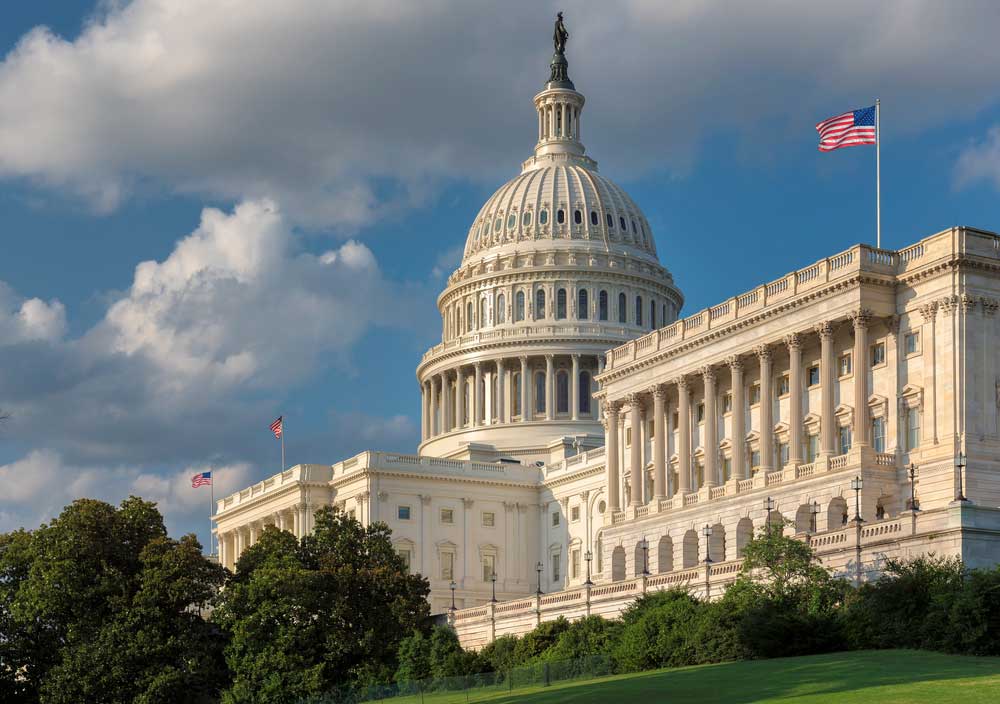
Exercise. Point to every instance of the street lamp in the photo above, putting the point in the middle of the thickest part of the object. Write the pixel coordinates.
(856, 485)
(768, 506)
(493, 578)
(814, 512)
(644, 544)
(588, 556)
(453, 585)
(960, 466)
(913, 475)
(538, 568)
(707, 532)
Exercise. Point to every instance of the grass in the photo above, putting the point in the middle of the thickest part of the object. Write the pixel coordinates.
(884, 676)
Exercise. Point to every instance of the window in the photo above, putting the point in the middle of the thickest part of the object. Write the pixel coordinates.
(489, 519)
(878, 434)
(621, 308)
(582, 304)
(519, 307)
(556, 559)
(574, 564)
(516, 390)
(638, 310)
(783, 385)
(700, 412)
(727, 468)
(782, 454)
(447, 515)
(501, 312)
(555, 518)
(878, 354)
(652, 315)
(650, 429)
(621, 221)
(674, 420)
(628, 436)
(562, 392)
(526, 218)
(469, 317)
(539, 392)
(448, 565)
(912, 428)
(560, 216)
(812, 375)
(482, 312)
(577, 217)
(755, 394)
(593, 217)
(511, 221)
(584, 392)
(539, 304)
(543, 217)
(812, 447)
(497, 225)
(911, 342)
(844, 437)
(611, 221)
(405, 555)
(602, 305)
(561, 304)
(403, 513)
(754, 459)
(844, 364)
(574, 514)
(727, 403)
(489, 567)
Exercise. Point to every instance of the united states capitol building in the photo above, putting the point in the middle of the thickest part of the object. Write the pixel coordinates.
(582, 443)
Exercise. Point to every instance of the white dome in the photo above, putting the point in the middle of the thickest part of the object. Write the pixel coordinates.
(552, 202)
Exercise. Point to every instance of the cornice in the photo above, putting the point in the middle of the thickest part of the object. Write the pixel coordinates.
(584, 473)
(520, 344)
(251, 502)
(422, 476)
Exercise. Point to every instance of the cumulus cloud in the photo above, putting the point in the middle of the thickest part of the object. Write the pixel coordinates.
(344, 111)
(23, 320)
(980, 161)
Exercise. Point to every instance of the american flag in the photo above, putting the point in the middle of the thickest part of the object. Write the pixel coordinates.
(276, 427)
(848, 130)
(201, 480)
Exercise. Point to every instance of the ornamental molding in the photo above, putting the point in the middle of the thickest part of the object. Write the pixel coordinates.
(990, 305)
(793, 341)
(860, 318)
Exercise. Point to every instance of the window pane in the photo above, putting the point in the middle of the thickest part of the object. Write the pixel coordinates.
(562, 392)
(603, 305)
(638, 310)
(582, 304)
(621, 308)
(539, 392)
(584, 392)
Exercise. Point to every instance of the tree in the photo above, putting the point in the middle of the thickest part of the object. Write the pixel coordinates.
(414, 658)
(309, 615)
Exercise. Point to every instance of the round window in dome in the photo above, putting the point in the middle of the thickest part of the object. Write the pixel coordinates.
(526, 218)
(621, 221)
(611, 221)
(511, 221)
(543, 217)
(593, 217)
(577, 217)
(560, 216)
(497, 224)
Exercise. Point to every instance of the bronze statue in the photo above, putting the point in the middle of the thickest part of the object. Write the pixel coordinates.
(560, 35)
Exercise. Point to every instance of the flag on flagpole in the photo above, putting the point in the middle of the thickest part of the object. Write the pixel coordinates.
(851, 129)
(277, 426)
(201, 480)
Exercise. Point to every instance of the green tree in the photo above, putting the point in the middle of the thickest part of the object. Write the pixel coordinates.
(533, 644)
(414, 658)
(311, 615)
(587, 637)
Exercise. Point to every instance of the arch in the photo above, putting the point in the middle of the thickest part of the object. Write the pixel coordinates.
(582, 304)
(469, 316)
(640, 563)
(618, 564)
(562, 391)
(836, 513)
(501, 312)
(744, 534)
(584, 392)
(804, 519)
(717, 543)
(777, 522)
(602, 305)
(561, 304)
(519, 307)
(638, 310)
(540, 304)
(539, 392)
(622, 308)
(690, 550)
(665, 555)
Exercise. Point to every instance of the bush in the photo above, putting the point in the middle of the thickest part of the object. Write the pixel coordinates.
(656, 631)
(534, 643)
(587, 637)
(500, 655)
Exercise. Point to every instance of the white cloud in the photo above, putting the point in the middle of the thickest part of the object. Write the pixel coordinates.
(980, 161)
(344, 112)
(23, 320)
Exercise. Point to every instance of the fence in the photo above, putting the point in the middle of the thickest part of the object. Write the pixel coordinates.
(470, 688)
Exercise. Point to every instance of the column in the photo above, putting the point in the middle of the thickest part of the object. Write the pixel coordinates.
(600, 370)
(541, 126)
(525, 385)
(928, 344)
(459, 398)
(794, 344)
(550, 380)
(434, 426)
(574, 389)
(611, 455)
(477, 413)
(683, 438)
(739, 438)
(443, 403)
(296, 522)
(827, 369)
(562, 109)
(659, 443)
(222, 537)
(861, 318)
(635, 449)
(711, 444)
(766, 410)
(502, 396)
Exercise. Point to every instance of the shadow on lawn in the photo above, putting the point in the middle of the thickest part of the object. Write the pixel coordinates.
(751, 681)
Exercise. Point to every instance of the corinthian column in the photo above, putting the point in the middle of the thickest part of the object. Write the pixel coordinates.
(574, 388)
(611, 455)
(526, 412)
(766, 410)
(635, 456)
(739, 427)
(794, 343)
(550, 382)
(432, 426)
(711, 445)
(683, 437)
(477, 416)
(659, 443)
(826, 375)
(459, 398)
(861, 318)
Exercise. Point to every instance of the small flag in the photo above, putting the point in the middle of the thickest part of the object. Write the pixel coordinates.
(276, 427)
(851, 129)
(201, 480)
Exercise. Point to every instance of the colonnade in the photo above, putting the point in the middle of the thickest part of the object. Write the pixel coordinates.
(677, 395)
(297, 519)
(558, 120)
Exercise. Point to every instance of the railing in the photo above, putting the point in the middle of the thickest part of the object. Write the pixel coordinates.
(838, 462)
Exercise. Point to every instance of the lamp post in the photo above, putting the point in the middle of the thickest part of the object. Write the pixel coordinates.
(912, 470)
(453, 585)
(707, 532)
(645, 556)
(493, 579)
(538, 568)
(768, 506)
(857, 484)
(588, 556)
(960, 463)
(813, 513)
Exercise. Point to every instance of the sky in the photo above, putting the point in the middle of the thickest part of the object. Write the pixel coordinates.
(212, 214)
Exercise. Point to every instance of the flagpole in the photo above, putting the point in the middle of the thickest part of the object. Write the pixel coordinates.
(211, 512)
(878, 177)
(282, 445)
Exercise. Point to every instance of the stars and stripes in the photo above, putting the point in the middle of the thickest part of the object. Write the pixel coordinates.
(203, 479)
(851, 129)
(277, 427)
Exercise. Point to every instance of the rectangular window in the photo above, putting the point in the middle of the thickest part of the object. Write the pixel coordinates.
(489, 567)
(405, 554)
(727, 403)
(574, 564)
(812, 448)
(754, 459)
(844, 365)
(878, 434)
(555, 518)
(782, 454)
(628, 437)
(403, 513)
(813, 374)
(574, 514)
(783, 385)
(912, 428)
(754, 394)
(727, 468)
(556, 559)
(447, 515)
(878, 354)
(700, 412)
(911, 342)
(489, 519)
(844, 435)
(448, 565)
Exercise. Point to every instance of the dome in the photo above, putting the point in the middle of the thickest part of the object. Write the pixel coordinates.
(560, 202)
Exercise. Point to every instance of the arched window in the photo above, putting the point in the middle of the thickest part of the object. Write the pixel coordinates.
(663, 318)
(638, 310)
(634, 231)
(482, 313)
(560, 216)
(577, 217)
(497, 225)
(501, 312)
(562, 392)
(543, 217)
(582, 304)
(611, 221)
(511, 221)
(622, 309)
(539, 392)
(561, 304)
(665, 554)
(515, 389)
(621, 221)
(602, 305)
(540, 304)
(593, 217)
(652, 315)
(468, 317)
(584, 392)
(519, 307)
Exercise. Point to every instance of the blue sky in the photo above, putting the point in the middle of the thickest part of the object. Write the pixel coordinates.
(294, 183)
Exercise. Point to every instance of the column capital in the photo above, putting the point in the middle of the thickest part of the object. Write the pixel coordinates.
(425, 499)
(681, 382)
(523, 358)
(478, 366)
(793, 341)
(585, 494)
(735, 363)
(634, 400)
(948, 304)
(990, 305)
(860, 317)
(658, 392)
(467, 502)
(763, 352)
(707, 373)
(550, 356)
(892, 322)
(929, 311)
(968, 303)
(824, 329)
(576, 356)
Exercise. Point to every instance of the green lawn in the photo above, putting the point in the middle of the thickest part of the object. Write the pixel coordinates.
(871, 677)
